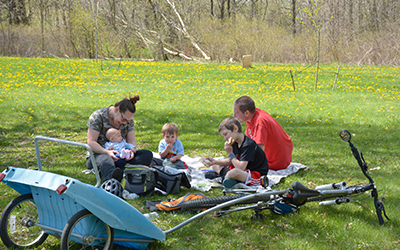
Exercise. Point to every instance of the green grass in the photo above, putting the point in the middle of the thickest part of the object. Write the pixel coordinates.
(55, 97)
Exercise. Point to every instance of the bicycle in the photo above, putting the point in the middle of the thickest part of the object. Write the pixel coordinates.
(290, 200)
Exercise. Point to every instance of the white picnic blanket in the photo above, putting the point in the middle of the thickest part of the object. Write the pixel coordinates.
(199, 182)
(275, 177)
(195, 165)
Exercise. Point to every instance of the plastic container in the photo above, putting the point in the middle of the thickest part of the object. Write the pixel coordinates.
(151, 216)
(129, 196)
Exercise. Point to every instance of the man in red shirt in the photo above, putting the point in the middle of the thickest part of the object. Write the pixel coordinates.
(266, 132)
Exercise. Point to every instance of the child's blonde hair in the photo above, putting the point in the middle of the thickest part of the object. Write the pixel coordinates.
(170, 128)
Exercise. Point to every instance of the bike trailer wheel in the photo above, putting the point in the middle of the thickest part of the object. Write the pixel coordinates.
(17, 229)
(85, 231)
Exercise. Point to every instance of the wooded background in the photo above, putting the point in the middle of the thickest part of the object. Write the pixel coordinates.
(285, 31)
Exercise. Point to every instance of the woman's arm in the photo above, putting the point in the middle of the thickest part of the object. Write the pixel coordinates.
(92, 137)
(130, 138)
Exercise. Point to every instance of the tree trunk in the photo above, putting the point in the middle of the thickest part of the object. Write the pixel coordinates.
(293, 17)
(222, 10)
(374, 16)
(21, 12)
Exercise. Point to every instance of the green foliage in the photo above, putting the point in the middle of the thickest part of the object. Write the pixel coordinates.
(55, 97)
(313, 11)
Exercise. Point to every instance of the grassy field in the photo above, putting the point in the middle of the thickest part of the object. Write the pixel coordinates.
(55, 97)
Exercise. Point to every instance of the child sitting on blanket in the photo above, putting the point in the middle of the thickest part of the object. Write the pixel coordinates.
(246, 162)
(117, 143)
(170, 147)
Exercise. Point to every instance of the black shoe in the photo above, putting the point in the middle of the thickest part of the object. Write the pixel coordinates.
(211, 175)
(117, 174)
(264, 181)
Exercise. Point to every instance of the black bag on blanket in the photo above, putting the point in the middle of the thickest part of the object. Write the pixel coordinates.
(139, 179)
(170, 179)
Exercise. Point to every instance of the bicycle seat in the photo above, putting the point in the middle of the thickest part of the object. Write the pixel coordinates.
(301, 193)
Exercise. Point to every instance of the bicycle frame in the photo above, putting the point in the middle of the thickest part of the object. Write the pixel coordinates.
(338, 193)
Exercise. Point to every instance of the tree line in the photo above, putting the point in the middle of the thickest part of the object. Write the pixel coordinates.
(303, 31)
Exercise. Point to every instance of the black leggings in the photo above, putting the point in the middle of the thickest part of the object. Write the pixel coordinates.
(106, 164)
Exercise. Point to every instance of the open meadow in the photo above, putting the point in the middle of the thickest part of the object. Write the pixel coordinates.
(55, 97)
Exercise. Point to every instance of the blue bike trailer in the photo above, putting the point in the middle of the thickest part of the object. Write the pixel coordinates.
(58, 198)
(56, 209)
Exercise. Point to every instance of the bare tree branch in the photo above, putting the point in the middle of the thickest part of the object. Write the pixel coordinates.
(186, 33)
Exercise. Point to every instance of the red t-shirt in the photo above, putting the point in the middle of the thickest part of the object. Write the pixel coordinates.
(264, 129)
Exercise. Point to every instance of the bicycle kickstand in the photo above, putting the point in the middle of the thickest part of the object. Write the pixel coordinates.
(257, 215)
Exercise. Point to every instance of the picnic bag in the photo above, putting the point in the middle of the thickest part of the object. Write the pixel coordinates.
(139, 179)
(170, 179)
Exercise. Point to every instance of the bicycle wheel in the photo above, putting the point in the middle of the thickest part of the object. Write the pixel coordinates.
(208, 202)
(17, 229)
(85, 231)
(213, 201)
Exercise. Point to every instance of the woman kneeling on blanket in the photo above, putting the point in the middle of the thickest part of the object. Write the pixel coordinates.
(246, 162)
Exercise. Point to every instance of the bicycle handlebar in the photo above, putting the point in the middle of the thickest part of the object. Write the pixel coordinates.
(360, 161)
(374, 193)
(340, 185)
(334, 202)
